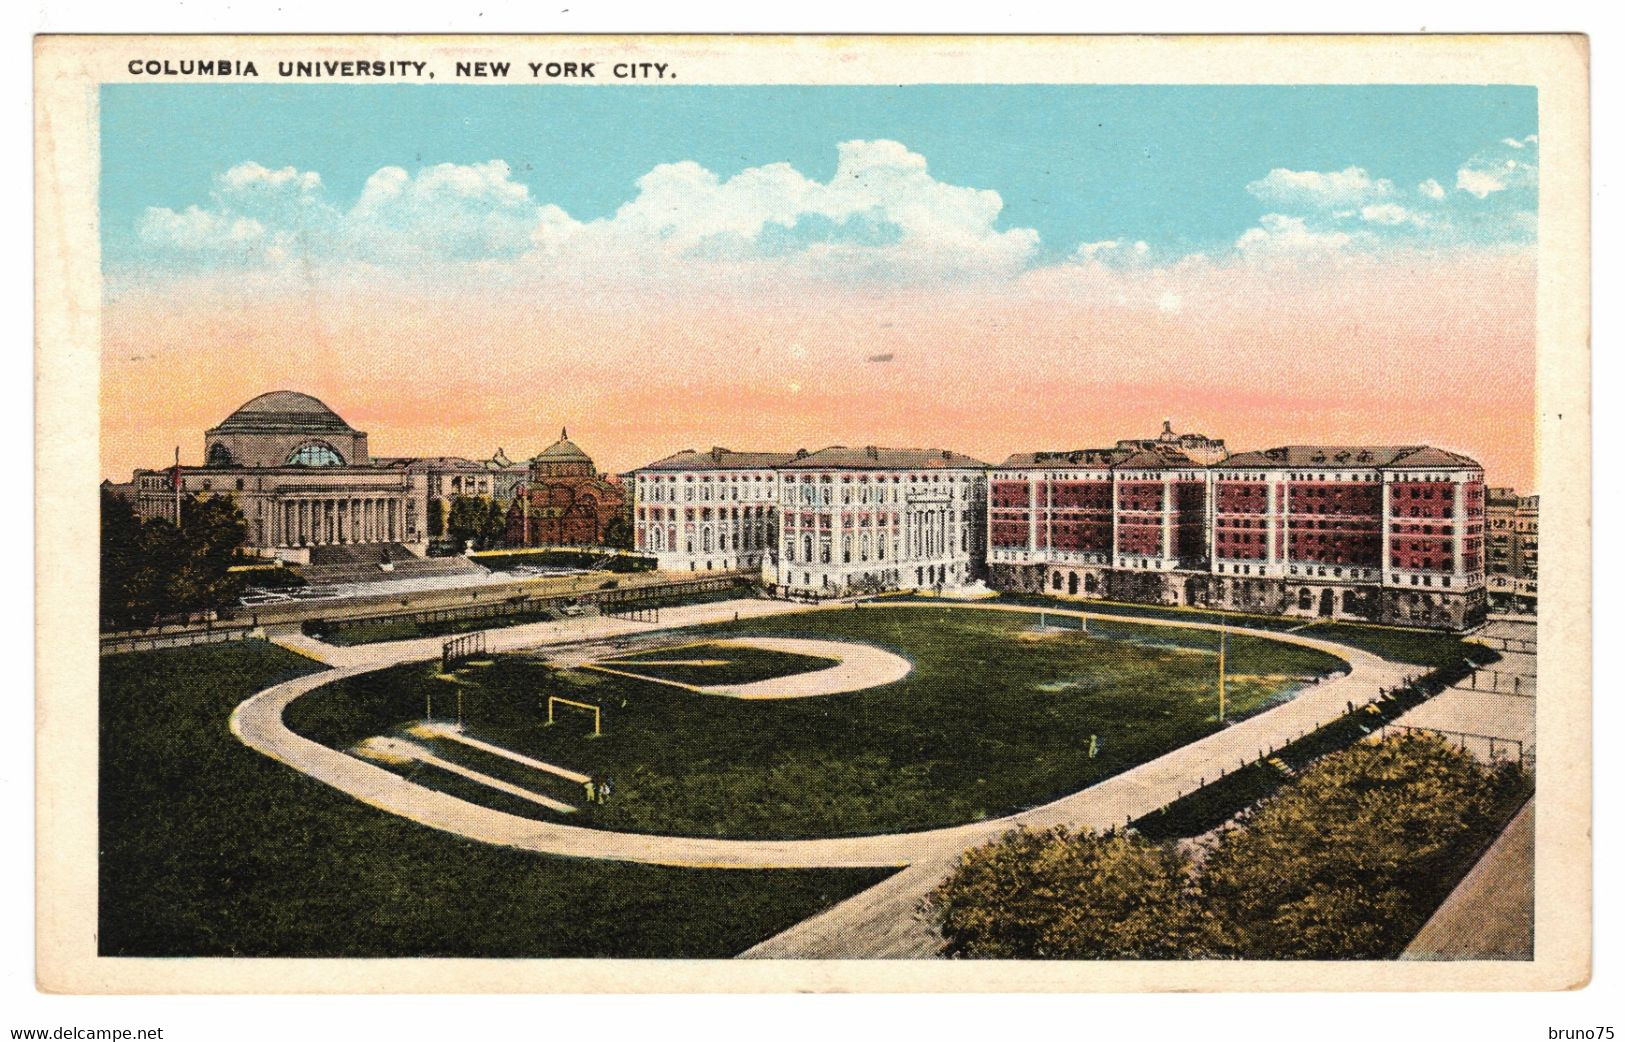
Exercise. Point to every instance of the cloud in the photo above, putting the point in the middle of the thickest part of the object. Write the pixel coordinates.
(882, 215)
(1314, 188)
(1389, 214)
(1431, 189)
(1512, 164)
(1283, 234)
(1170, 303)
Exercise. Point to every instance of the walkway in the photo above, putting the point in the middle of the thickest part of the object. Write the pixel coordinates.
(257, 722)
(857, 668)
(1491, 913)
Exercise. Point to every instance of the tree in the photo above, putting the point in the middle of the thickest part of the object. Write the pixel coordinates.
(618, 531)
(466, 521)
(1060, 895)
(1348, 860)
(152, 568)
(437, 517)
(493, 526)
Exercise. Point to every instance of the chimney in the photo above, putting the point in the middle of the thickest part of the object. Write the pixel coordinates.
(716, 453)
(872, 452)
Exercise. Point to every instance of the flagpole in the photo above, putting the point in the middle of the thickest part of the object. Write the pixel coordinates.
(177, 484)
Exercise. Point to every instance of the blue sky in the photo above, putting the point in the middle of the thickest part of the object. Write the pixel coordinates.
(1168, 165)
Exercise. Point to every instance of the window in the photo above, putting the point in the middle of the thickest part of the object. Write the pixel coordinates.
(315, 454)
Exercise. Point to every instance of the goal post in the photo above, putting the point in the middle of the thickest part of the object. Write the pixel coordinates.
(597, 713)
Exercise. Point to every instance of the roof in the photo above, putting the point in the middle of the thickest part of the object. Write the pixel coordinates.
(873, 457)
(1159, 458)
(1309, 456)
(564, 450)
(280, 411)
(1074, 458)
(720, 458)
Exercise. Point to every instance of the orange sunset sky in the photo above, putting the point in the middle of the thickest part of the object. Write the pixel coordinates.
(984, 269)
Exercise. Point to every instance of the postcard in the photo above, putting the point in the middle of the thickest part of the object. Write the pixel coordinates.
(685, 513)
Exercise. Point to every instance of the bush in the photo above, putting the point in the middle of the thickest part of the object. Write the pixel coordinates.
(1347, 861)
(1059, 895)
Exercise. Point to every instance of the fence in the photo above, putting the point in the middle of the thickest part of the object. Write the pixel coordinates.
(631, 613)
(460, 648)
(118, 645)
(1495, 747)
(552, 606)
(1504, 683)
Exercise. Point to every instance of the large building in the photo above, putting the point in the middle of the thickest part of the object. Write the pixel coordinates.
(874, 519)
(1392, 534)
(566, 501)
(1513, 565)
(708, 511)
(302, 478)
(820, 523)
(309, 488)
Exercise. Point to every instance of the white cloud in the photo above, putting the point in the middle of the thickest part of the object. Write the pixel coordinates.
(1431, 189)
(1284, 234)
(882, 214)
(1389, 214)
(1322, 189)
(1511, 164)
(1170, 303)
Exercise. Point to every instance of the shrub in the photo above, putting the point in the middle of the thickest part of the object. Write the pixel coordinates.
(1060, 895)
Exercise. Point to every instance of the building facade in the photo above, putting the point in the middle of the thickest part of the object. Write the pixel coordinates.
(1513, 565)
(301, 476)
(566, 501)
(708, 511)
(823, 523)
(874, 519)
(1391, 534)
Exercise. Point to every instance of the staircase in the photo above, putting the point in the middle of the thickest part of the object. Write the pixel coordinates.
(375, 561)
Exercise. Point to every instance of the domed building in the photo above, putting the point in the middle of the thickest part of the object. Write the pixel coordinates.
(566, 502)
(284, 428)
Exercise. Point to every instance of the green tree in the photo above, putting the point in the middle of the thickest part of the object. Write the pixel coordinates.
(151, 568)
(1060, 895)
(618, 531)
(1348, 860)
(493, 526)
(437, 517)
(466, 520)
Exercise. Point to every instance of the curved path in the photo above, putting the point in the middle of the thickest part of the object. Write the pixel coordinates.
(257, 722)
(857, 667)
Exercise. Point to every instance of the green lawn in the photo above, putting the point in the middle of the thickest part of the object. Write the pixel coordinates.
(211, 849)
(733, 664)
(1399, 644)
(994, 718)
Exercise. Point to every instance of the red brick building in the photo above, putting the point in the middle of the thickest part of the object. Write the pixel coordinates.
(1392, 534)
(566, 502)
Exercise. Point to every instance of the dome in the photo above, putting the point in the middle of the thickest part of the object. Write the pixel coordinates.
(564, 451)
(284, 411)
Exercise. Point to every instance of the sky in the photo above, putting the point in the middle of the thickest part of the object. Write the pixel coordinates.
(993, 269)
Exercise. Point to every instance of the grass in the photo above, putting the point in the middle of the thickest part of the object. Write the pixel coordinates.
(734, 664)
(993, 718)
(1419, 647)
(210, 849)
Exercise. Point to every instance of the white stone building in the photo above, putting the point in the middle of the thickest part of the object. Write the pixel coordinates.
(707, 511)
(871, 519)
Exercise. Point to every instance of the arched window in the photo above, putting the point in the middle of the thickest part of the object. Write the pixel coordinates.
(219, 455)
(806, 548)
(315, 454)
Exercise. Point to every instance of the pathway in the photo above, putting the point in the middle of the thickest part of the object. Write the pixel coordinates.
(1491, 913)
(257, 722)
